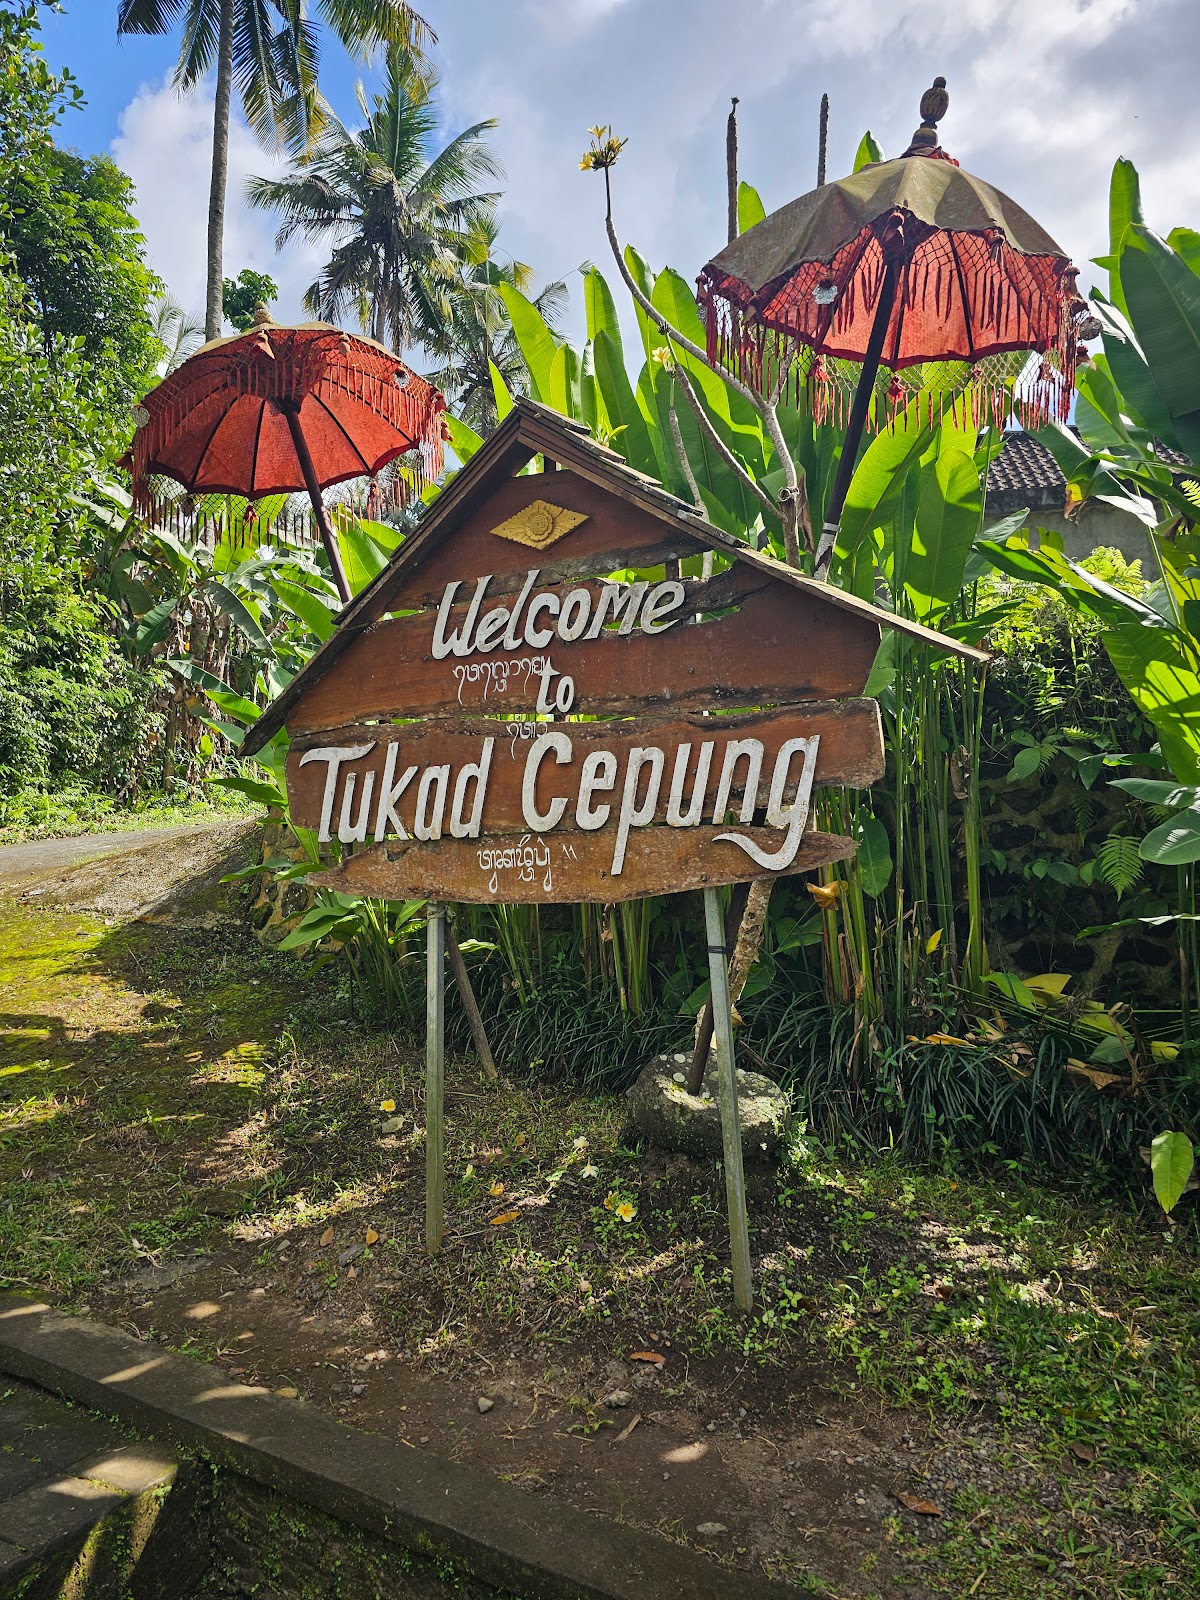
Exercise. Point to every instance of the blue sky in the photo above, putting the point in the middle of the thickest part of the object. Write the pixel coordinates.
(1045, 94)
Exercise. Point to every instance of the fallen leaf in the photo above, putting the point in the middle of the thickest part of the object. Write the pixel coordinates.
(327, 1236)
(924, 1508)
(654, 1357)
(371, 1236)
(1098, 1079)
(352, 1272)
(505, 1216)
(1083, 1452)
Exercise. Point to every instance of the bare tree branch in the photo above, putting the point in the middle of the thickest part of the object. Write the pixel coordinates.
(677, 435)
(764, 408)
(719, 445)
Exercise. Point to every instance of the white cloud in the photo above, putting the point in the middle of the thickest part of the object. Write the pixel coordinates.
(165, 145)
(1045, 94)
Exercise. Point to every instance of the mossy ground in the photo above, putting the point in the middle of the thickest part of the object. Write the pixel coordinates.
(167, 1093)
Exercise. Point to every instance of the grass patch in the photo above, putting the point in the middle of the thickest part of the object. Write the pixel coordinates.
(166, 1093)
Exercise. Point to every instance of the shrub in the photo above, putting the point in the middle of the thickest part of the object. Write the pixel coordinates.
(72, 710)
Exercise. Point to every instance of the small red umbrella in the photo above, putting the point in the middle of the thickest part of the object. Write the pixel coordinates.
(279, 409)
(906, 262)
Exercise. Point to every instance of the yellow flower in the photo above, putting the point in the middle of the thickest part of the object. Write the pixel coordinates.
(387, 1105)
(605, 149)
(496, 1188)
(625, 1211)
(610, 1202)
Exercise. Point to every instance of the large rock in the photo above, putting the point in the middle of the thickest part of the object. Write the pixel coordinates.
(661, 1112)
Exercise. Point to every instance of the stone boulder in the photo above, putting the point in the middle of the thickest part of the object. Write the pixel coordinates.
(661, 1112)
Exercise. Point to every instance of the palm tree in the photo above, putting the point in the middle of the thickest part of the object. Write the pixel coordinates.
(177, 331)
(271, 49)
(479, 335)
(397, 216)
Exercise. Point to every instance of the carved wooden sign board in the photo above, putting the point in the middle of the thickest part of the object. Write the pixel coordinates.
(542, 699)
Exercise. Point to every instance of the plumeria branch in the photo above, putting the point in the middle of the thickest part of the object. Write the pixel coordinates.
(601, 158)
(718, 444)
(694, 487)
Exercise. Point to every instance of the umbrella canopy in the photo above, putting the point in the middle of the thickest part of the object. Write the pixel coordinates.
(973, 277)
(225, 422)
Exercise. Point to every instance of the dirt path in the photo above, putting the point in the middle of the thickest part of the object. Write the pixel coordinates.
(20, 861)
(193, 1144)
(173, 874)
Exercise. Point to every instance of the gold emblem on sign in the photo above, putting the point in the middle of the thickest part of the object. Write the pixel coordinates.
(540, 524)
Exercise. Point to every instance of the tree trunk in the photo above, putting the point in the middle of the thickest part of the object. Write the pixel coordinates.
(214, 313)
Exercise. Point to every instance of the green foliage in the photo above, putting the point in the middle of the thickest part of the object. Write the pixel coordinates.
(1118, 863)
(750, 208)
(72, 712)
(867, 153)
(1171, 1163)
(32, 98)
(77, 247)
(243, 295)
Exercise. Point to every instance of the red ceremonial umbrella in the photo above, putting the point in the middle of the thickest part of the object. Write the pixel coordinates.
(278, 409)
(907, 262)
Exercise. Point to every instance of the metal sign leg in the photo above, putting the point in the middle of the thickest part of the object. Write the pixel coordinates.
(435, 1074)
(731, 1137)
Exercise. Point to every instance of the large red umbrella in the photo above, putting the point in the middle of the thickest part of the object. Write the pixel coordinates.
(282, 409)
(907, 262)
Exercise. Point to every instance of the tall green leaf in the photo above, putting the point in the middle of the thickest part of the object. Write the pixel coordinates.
(873, 856)
(948, 517)
(152, 628)
(302, 603)
(463, 439)
(1186, 244)
(1158, 667)
(1163, 295)
(867, 153)
(361, 556)
(601, 309)
(238, 613)
(534, 337)
(621, 404)
(565, 394)
(1131, 370)
(1171, 1162)
(750, 209)
(1174, 843)
(1124, 208)
(884, 464)
(501, 392)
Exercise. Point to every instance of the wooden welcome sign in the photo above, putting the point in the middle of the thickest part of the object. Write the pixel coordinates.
(538, 701)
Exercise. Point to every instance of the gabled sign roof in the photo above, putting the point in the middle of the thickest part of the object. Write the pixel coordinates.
(530, 430)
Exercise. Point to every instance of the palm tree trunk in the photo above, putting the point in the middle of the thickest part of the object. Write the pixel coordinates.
(213, 315)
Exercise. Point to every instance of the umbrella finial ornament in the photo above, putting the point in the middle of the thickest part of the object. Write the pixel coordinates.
(935, 102)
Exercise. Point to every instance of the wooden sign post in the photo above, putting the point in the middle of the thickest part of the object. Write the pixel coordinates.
(435, 1074)
(541, 700)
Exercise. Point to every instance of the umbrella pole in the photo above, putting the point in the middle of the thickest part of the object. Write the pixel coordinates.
(857, 422)
(304, 456)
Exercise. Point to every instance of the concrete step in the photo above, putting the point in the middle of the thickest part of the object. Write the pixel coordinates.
(62, 1473)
